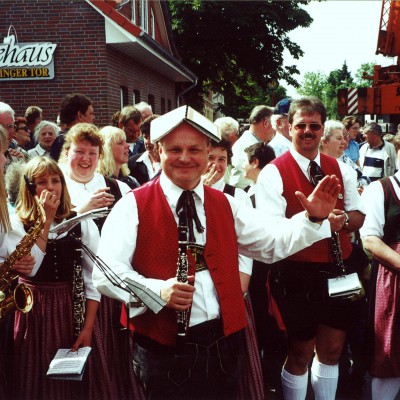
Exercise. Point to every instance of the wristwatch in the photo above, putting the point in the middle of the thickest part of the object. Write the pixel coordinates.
(346, 219)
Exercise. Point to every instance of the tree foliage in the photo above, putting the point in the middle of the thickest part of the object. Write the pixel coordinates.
(236, 47)
(326, 87)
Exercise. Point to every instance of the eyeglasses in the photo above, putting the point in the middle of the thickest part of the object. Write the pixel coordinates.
(8, 126)
(24, 128)
(313, 126)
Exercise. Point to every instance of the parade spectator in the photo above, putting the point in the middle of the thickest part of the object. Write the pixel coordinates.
(229, 128)
(260, 130)
(380, 234)
(22, 134)
(282, 141)
(13, 152)
(45, 134)
(75, 108)
(145, 166)
(145, 109)
(377, 157)
(295, 282)
(113, 164)
(130, 120)
(33, 116)
(352, 125)
(216, 321)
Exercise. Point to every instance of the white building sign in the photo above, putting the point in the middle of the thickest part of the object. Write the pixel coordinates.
(26, 61)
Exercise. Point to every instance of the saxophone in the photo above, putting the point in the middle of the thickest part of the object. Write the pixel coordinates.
(21, 297)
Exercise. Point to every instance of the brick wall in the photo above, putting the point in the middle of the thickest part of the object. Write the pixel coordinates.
(82, 61)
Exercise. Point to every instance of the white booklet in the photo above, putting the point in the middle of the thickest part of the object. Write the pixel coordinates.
(344, 286)
(69, 365)
(68, 224)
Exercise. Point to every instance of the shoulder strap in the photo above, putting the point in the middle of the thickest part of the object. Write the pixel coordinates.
(114, 188)
(385, 182)
(229, 189)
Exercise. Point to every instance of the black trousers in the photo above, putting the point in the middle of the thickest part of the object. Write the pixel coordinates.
(208, 368)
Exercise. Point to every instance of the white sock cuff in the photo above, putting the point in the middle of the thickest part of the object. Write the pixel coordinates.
(294, 381)
(324, 370)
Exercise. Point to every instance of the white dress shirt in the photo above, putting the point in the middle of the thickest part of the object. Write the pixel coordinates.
(239, 156)
(373, 199)
(269, 187)
(280, 144)
(145, 159)
(258, 236)
(38, 151)
(81, 193)
(245, 263)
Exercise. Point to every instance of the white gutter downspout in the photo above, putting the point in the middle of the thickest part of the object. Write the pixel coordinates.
(186, 90)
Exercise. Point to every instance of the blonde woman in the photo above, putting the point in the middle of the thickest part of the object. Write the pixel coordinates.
(65, 301)
(113, 164)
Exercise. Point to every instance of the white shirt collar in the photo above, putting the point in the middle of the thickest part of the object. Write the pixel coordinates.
(173, 192)
(304, 162)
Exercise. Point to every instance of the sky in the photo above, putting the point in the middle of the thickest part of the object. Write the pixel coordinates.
(342, 30)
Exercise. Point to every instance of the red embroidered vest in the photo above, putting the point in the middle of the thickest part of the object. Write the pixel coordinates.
(156, 256)
(294, 179)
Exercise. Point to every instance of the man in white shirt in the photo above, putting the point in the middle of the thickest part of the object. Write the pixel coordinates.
(260, 130)
(282, 141)
(377, 156)
(140, 241)
(313, 321)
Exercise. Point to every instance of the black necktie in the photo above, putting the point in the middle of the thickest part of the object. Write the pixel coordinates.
(315, 173)
(186, 211)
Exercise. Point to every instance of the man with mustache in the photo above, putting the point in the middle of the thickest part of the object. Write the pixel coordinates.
(313, 321)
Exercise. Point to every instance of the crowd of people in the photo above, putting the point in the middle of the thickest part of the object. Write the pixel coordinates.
(238, 236)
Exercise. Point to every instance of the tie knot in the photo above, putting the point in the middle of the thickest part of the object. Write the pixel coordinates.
(315, 173)
(186, 211)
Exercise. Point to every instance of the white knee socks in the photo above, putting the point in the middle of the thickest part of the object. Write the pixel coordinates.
(324, 380)
(386, 388)
(294, 387)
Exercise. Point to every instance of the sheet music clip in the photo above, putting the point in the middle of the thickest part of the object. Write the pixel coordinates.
(146, 296)
(68, 224)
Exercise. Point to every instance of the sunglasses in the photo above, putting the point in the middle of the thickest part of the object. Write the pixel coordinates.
(313, 126)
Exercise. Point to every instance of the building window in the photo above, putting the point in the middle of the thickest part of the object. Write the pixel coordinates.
(152, 102)
(133, 11)
(162, 105)
(136, 97)
(152, 24)
(123, 91)
(169, 105)
(144, 14)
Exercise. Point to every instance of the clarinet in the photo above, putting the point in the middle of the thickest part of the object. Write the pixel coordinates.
(336, 252)
(182, 276)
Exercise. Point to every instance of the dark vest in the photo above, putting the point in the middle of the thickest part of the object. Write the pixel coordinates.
(294, 179)
(60, 259)
(156, 256)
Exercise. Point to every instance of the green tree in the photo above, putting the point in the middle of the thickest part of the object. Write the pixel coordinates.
(314, 84)
(368, 69)
(228, 44)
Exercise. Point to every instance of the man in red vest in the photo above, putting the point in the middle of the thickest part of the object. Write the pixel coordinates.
(193, 348)
(314, 322)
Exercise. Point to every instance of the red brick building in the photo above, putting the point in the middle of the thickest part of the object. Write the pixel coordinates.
(116, 52)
